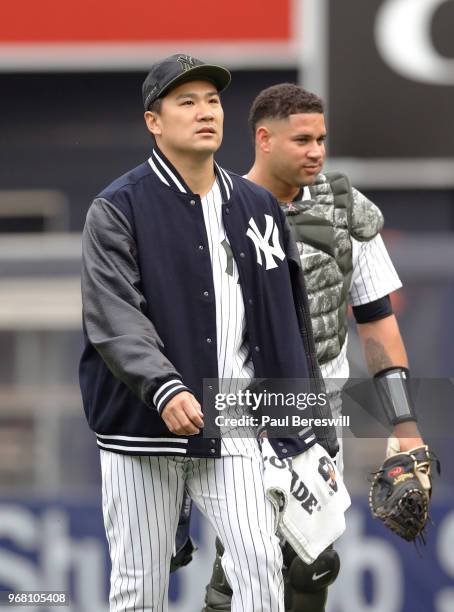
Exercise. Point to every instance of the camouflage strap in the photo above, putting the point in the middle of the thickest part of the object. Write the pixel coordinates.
(324, 223)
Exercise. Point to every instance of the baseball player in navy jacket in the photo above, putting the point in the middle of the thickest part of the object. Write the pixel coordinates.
(189, 273)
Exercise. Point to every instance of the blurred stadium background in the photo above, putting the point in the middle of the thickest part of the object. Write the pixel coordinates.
(71, 121)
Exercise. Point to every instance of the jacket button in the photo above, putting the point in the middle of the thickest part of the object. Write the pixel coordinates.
(209, 340)
(227, 210)
(213, 441)
(242, 255)
(192, 202)
(250, 301)
(201, 247)
(280, 444)
(284, 450)
(257, 349)
(213, 451)
(206, 294)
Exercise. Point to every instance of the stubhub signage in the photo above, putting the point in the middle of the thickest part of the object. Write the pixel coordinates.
(60, 545)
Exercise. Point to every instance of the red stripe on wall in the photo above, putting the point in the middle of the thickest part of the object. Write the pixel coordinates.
(137, 21)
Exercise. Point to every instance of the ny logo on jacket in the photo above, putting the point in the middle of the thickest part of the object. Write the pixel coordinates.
(262, 243)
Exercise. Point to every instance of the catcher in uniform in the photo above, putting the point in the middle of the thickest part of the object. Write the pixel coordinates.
(161, 312)
(337, 230)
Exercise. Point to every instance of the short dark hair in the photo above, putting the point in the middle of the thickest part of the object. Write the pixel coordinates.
(280, 101)
(155, 107)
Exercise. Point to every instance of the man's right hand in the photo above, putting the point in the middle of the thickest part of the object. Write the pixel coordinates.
(183, 414)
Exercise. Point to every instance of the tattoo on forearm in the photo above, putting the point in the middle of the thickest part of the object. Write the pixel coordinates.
(376, 356)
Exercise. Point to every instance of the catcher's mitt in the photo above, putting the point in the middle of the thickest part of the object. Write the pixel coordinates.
(401, 490)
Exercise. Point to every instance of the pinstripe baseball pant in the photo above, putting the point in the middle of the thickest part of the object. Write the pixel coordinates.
(141, 504)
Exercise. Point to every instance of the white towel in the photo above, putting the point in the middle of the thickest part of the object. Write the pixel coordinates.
(310, 498)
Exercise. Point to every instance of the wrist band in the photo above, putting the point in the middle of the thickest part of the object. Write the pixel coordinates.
(393, 388)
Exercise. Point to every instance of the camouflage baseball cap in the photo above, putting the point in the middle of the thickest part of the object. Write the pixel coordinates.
(177, 69)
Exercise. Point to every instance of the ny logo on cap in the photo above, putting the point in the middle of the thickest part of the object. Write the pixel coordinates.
(187, 62)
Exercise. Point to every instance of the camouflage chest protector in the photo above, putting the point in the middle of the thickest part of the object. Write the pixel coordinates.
(322, 227)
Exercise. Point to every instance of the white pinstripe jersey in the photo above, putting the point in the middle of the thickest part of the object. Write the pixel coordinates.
(234, 359)
(374, 276)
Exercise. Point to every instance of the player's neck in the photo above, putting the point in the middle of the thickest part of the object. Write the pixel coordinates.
(197, 171)
(281, 191)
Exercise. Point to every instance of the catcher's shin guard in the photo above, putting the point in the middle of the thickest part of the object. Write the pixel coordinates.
(306, 586)
(218, 595)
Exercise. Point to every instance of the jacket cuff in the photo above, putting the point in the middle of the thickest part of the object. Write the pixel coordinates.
(166, 391)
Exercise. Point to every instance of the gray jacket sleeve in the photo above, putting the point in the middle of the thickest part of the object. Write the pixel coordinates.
(114, 307)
